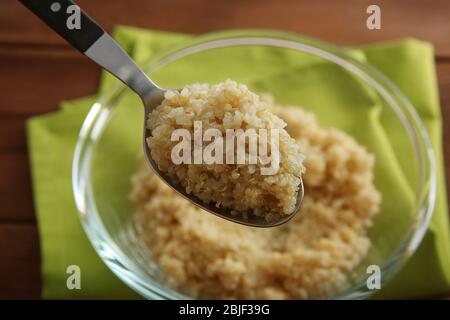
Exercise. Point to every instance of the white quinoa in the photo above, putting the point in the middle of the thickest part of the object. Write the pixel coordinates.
(241, 188)
(309, 257)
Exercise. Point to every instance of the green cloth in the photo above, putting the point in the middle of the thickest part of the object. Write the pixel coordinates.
(409, 63)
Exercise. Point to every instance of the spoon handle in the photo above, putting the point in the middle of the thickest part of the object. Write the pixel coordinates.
(84, 34)
(68, 20)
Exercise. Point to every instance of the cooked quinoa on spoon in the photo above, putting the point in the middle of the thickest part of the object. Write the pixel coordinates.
(224, 146)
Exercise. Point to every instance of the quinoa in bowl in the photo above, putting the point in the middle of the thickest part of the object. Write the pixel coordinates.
(309, 257)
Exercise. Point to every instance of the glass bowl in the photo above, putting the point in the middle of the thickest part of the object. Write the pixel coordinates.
(107, 147)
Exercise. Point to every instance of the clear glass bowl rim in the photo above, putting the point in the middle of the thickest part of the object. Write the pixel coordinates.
(98, 117)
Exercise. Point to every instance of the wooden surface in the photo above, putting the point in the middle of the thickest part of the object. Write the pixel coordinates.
(38, 70)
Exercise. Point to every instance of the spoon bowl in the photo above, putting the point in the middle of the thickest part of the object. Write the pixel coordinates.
(150, 103)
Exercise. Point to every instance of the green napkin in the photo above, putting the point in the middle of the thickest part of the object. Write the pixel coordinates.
(409, 63)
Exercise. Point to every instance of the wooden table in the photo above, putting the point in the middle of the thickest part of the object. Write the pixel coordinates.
(38, 70)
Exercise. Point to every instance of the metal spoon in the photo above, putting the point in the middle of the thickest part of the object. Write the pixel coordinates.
(83, 33)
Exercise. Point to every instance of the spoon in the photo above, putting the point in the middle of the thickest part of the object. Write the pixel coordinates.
(83, 33)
